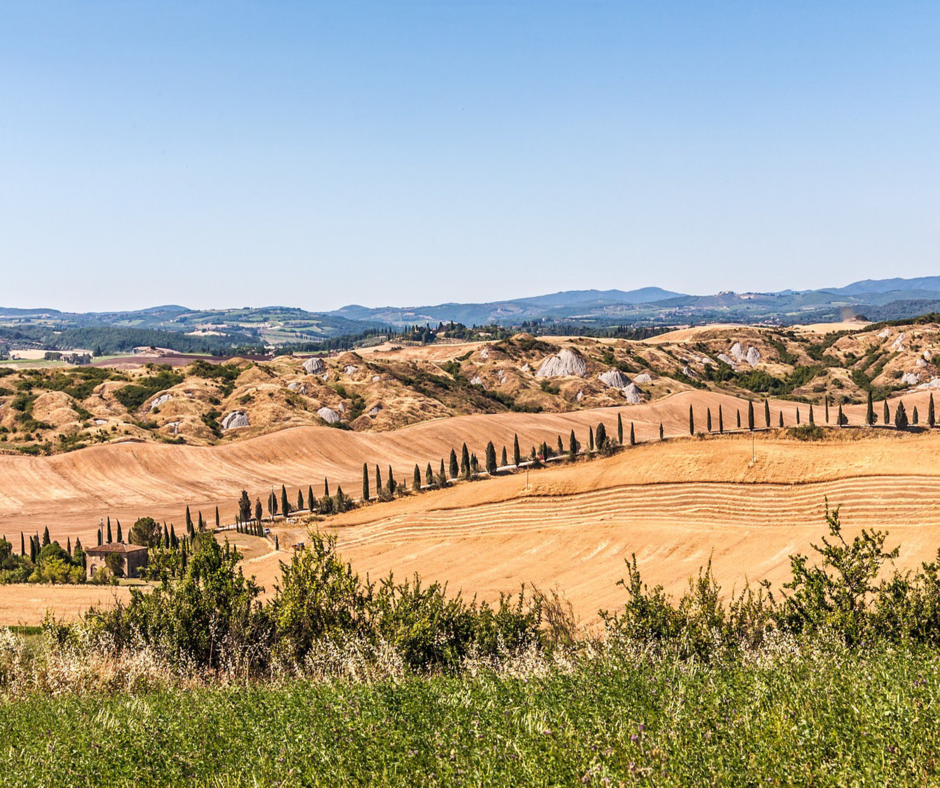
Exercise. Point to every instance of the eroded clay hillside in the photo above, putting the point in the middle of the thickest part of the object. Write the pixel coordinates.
(384, 388)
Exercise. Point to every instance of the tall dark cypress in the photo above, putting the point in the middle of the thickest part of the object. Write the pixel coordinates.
(661, 434)
(23, 543)
(109, 531)
(750, 415)
(285, 504)
(632, 435)
(120, 534)
(326, 487)
(490, 458)
(870, 410)
(365, 481)
(189, 521)
(378, 479)
(887, 415)
(68, 546)
(300, 500)
(721, 421)
(416, 479)
(465, 461)
(619, 431)
(311, 501)
(505, 458)
(590, 439)
(812, 418)
(826, 400)
(691, 421)
(391, 484)
(218, 521)
(767, 414)
(429, 476)
(781, 417)
(516, 453)
(708, 420)
(737, 414)
(931, 416)
(45, 536)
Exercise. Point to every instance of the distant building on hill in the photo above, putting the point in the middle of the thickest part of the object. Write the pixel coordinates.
(133, 558)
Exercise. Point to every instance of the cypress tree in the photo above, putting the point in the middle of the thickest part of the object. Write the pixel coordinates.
(378, 478)
(601, 437)
(416, 480)
(561, 446)
(767, 414)
(218, 522)
(900, 416)
(619, 431)
(915, 418)
(490, 458)
(870, 410)
(797, 415)
(691, 421)
(931, 416)
(259, 513)
(202, 523)
(120, 535)
(174, 542)
(300, 500)
(454, 470)
(442, 475)
(109, 531)
(465, 462)
(826, 400)
(100, 536)
(33, 549)
(632, 435)
(708, 420)
(737, 413)
(391, 481)
(781, 418)
(590, 439)
(572, 447)
(166, 537)
(45, 536)
(277, 543)
(429, 476)
(721, 421)
(839, 416)
(750, 416)
(272, 504)
(660, 430)
(23, 542)
(68, 546)
(365, 481)
(516, 454)
(189, 520)
(285, 504)
(504, 460)
(812, 419)
(326, 487)
(887, 415)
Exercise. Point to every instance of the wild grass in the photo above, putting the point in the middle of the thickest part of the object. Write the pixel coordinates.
(788, 714)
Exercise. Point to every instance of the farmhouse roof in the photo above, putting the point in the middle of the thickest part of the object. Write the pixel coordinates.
(114, 547)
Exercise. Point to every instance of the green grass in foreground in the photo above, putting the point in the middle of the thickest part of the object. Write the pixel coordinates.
(824, 719)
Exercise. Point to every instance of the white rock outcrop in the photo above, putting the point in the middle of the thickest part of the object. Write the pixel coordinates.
(328, 415)
(525, 368)
(374, 410)
(737, 352)
(484, 354)
(235, 420)
(933, 383)
(752, 356)
(566, 363)
(476, 381)
(297, 386)
(160, 401)
(910, 378)
(314, 366)
(884, 333)
(726, 359)
(633, 394)
(349, 369)
(614, 378)
(643, 377)
(898, 343)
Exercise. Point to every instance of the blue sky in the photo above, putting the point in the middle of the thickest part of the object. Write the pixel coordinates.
(318, 154)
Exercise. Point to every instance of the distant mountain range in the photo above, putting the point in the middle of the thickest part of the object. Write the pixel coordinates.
(877, 299)
(882, 299)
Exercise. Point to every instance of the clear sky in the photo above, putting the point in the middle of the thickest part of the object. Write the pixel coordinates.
(317, 154)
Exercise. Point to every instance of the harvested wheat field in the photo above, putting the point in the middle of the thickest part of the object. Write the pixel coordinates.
(674, 503)
(26, 605)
